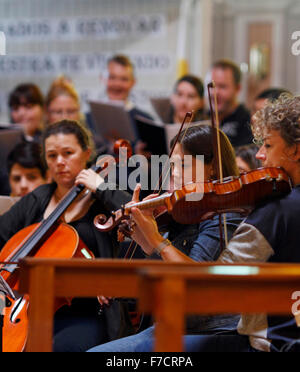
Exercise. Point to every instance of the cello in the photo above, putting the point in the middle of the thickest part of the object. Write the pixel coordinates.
(38, 240)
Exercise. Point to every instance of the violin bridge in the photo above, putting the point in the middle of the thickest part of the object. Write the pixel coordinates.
(269, 178)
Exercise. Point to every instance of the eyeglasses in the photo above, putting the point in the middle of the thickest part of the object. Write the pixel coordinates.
(69, 112)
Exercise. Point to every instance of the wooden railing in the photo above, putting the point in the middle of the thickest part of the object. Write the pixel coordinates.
(167, 290)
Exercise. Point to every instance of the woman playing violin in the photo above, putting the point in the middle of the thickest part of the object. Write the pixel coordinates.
(269, 234)
(67, 150)
(200, 242)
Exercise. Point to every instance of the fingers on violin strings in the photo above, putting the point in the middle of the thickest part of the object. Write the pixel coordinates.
(136, 193)
(137, 215)
(152, 196)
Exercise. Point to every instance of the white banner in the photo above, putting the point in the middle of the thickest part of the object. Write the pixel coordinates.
(72, 64)
(81, 28)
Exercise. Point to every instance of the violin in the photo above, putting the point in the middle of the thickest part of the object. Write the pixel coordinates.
(197, 202)
(47, 239)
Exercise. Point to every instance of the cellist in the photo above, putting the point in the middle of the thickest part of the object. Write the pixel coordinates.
(67, 148)
(199, 242)
(269, 234)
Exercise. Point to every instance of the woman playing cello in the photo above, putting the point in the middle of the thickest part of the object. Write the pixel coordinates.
(67, 149)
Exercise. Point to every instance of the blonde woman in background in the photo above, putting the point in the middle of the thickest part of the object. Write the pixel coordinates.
(62, 101)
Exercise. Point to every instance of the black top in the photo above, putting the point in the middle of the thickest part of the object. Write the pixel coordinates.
(278, 221)
(30, 209)
(237, 127)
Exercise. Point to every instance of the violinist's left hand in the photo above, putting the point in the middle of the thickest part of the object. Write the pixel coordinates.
(90, 179)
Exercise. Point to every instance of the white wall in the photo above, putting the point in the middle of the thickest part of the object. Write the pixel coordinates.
(231, 18)
(216, 30)
(75, 37)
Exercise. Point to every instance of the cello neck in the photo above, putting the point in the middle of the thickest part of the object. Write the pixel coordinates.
(48, 225)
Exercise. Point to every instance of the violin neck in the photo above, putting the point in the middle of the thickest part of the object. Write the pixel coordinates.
(152, 203)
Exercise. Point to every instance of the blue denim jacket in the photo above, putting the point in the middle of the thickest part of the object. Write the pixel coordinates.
(202, 243)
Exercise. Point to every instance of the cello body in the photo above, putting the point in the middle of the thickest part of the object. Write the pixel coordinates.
(64, 242)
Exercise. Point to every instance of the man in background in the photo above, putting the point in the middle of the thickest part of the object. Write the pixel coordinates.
(119, 83)
(267, 95)
(234, 116)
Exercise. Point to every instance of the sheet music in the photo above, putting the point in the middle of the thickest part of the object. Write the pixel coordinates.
(112, 121)
(170, 131)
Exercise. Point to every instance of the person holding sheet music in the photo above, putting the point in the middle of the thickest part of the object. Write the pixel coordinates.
(26, 103)
(119, 83)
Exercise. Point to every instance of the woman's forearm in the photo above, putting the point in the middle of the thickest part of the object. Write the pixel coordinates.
(169, 253)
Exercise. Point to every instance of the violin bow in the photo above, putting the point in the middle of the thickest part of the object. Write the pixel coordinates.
(188, 119)
(188, 116)
(217, 154)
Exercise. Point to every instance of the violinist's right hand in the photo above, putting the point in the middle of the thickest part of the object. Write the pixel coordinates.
(145, 225)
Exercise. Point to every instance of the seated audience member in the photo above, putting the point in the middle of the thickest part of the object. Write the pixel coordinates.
(26, 104)
(234, 116)
(62, 102)
(119, 84)
(197, 242)
(26, 169)
(188, 96)
(246, 158)
(267, 95)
